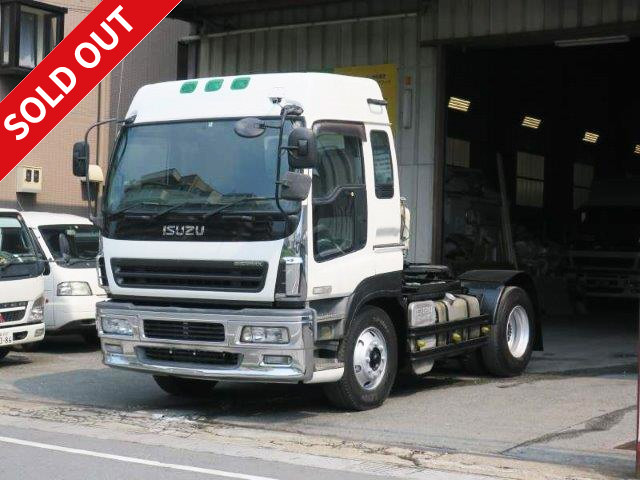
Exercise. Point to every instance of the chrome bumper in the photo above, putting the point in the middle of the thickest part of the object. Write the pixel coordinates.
(128, 352)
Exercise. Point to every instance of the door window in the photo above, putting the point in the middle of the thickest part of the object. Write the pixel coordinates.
(382, 165)
(339, 197)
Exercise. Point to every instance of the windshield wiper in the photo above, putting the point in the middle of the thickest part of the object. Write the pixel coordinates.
(76, 261)
(177, 207)
(128, 208)
(231, 204)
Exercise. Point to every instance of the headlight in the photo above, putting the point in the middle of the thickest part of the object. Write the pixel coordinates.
(116, 326)
(66, 289)
(264, 335)
(37, 311)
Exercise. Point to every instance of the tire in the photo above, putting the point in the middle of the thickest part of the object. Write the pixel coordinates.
(366, 333)
(4, 352)
(185, 387)
(500, 359)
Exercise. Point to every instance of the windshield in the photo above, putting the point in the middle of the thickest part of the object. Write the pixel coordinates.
(16, 249)
(201, 163)
(83, 242)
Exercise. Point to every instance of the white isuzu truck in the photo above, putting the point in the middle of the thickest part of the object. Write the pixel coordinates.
(21, 284)
(252, 231)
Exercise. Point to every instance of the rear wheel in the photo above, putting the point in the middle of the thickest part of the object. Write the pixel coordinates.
(185, 387)
(3, 352)
(511, 338)
(369, 352)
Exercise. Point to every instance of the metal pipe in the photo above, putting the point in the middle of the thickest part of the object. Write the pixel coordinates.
(292, 26)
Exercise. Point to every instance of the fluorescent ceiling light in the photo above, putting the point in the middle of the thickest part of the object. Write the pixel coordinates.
(531, 122)
(460, 104)
(637, 150)
(583, 42)
(590, 137)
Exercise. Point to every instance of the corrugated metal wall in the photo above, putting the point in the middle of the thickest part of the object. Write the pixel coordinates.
(447, 19)
(314, 48)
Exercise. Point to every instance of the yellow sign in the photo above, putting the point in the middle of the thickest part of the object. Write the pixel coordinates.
(387, 77)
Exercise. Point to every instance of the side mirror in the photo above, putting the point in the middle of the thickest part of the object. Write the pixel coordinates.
(80, 159)
(295, 186)
(44, 267)
(302, 148)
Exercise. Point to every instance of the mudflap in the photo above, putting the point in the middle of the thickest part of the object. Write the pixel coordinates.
(489, 285)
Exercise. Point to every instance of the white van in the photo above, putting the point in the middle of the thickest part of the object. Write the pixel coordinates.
(70, 243)
(21, 284)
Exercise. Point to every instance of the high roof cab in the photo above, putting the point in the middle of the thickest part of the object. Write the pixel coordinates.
(321, 95)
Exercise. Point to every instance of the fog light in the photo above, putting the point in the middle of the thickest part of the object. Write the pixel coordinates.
(277, 360)
(39, 332)
(111, 348)
(264, 335)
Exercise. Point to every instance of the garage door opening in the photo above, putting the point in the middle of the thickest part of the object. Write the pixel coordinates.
(560, 126)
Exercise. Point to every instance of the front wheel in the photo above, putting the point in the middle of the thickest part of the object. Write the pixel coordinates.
(185, 387)
(511, 338)
(3, 352)
(369, 352)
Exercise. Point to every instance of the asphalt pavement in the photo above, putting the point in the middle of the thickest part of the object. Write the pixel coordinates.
(574, 409)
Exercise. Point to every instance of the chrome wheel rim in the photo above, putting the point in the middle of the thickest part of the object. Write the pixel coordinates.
(370, 358)
(518, 331)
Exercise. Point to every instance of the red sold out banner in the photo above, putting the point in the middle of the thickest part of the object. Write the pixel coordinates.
(71, 71)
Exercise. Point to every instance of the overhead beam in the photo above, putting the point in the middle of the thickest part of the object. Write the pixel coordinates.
(196, 11)
(542, 37)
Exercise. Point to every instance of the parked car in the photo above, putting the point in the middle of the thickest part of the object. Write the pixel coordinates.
(21, 284)
(70, 244)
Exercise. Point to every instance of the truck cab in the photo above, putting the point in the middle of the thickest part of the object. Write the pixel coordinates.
(21, 284)
(252, 231)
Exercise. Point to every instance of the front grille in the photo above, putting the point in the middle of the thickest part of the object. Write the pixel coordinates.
(13, 315)
(174, 330)
(191, 356)
(190, 275)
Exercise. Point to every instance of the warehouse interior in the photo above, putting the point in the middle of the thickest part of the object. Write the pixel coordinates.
(562, 119)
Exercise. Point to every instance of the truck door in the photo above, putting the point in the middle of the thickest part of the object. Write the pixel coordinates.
(384, 199)
(341, 255)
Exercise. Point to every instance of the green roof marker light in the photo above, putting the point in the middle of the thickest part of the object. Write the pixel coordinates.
(214, 85)
(188, 87)
(240, 83)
